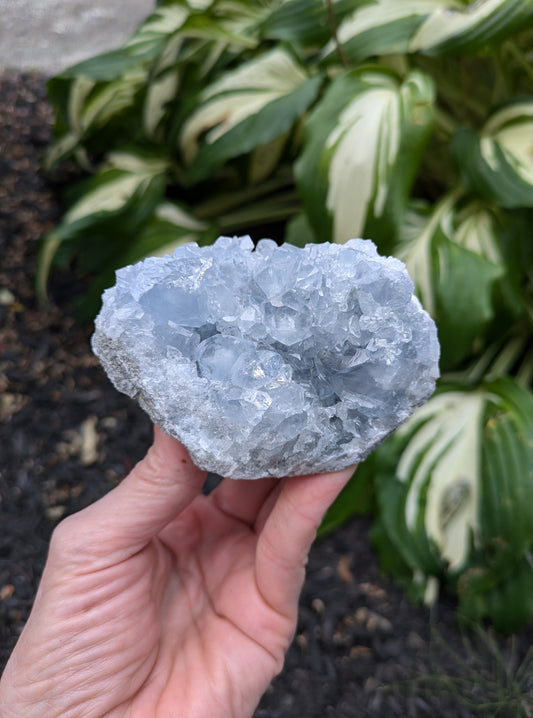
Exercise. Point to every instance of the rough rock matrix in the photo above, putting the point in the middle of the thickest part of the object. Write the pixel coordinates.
(270, 362)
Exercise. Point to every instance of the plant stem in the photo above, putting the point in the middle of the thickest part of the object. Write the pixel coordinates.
(272, 210)
(476, 372)
(333, 25)
(507, 357)
(221, 203)
(445, 122)
(524, 375)
(518, 55)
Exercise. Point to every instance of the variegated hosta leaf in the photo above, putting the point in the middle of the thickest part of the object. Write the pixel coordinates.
(307, 22)
(212, 34)
(170, 226)
(453, 274)
(441, 465)
(87, 96)
(141, 48)
(230, 22)
(90, 106)
(161, 92)
(497, 162)
(125, 176)
(476, 229)
(471, 26)
(361, 151)
(120, 197)
(463, 468)
(245, 109)
(382, 27)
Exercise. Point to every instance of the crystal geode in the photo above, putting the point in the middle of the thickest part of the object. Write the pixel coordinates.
(270, 362)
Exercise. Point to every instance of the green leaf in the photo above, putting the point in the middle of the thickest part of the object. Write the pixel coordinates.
(171, 226)
(477, 229)
(440, 465)
(410, 542)
(497, 162)
(356, 499)
(299, 232)
(507, 495)
(454, 283)
(60, 150)
(508, 603)
(118, 200)
(462, 279)
(246, 108)
(498, 584)
(265, 158)
(306, 22)
(382, 27)
(126, 175)
(227, 30)
(484, 230)
(92, 107)
(455, 487)
(362, 148)
(91, 95)
(471, 27)
(141, 48)
(161, 92)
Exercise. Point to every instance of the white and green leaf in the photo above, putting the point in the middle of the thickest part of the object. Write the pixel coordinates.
(497, 162)
(452, 267)
(463, 477)
(382, 27)
(244, 109)
(476, 228)
(469, 27)
(308, 23)
(170, 226)
(144, 45)
(441, 465)
(120, 197)
(160, 94)
(361, 151)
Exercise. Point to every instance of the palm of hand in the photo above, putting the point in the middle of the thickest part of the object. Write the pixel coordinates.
(158, 601)
(207, 612)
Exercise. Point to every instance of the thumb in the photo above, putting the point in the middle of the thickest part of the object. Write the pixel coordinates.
(157, 489)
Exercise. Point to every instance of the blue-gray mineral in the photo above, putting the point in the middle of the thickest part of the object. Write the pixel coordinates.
(270, 362)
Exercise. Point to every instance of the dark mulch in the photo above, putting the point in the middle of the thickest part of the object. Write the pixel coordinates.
(67, 437)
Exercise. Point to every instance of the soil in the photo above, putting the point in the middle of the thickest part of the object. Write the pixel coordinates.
(67, 437)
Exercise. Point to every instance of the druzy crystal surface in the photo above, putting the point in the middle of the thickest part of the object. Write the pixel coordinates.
(271, 361)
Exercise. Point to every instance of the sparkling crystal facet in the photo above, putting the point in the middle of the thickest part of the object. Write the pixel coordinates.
(274, 361)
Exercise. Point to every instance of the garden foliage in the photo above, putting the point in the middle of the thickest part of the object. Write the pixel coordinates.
(406, 121)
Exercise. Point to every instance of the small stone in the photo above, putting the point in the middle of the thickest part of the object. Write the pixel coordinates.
(372, 621)
(54, 513)
(318, 606)
(89, 441)
(6, 297)
(6, 591)
(276, 361)
(343, 569)
(357, 652)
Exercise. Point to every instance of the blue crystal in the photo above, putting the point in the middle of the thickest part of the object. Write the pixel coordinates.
(270, 362)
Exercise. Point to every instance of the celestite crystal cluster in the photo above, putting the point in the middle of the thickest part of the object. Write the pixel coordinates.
(270, 362)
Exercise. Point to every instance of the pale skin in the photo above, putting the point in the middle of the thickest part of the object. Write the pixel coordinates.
(159, 602)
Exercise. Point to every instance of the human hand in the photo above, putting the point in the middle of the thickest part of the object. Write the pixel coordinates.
(157, 601)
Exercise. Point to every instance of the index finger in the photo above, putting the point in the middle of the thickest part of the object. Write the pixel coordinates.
(157, 490)
(289, 531)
